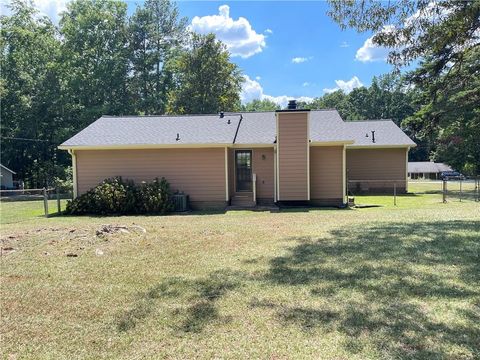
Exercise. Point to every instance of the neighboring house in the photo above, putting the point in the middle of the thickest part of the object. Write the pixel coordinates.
(242, 159)
(6, 178)
(426, 169)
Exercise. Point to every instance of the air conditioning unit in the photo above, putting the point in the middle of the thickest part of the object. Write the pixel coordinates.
(180, 202)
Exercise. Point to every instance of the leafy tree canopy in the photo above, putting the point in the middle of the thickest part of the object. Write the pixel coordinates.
(260, 105)
(205, 81)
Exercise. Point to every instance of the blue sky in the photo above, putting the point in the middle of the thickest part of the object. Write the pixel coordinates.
(301, 52)
(285, 49)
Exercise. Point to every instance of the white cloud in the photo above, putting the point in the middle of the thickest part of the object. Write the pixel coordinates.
(299, 60)
(50, 8)
(257, 78)
(370, 52)
(268, 31)
(305, 84)
(253, 90)
(238, 35)
(344, 44)
(346, 86)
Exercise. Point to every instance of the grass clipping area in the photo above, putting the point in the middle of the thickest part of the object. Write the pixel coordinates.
(368, 283)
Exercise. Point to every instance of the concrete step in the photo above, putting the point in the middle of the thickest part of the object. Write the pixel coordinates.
(242, 200)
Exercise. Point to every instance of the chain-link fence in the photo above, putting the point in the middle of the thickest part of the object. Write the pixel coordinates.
(448, 190)
(26, 204)
(435, 190)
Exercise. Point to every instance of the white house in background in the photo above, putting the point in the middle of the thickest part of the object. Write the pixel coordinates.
(426, 169)
(6, 177)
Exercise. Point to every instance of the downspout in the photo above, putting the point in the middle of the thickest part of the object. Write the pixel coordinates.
(74, 172)
(275, 174)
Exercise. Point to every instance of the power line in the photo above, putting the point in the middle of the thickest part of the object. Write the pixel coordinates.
(22, 139)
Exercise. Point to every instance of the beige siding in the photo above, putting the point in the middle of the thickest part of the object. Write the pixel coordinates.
(326, 172)
(376, 164)
(264, 170)
(293, 155)
(200, 173)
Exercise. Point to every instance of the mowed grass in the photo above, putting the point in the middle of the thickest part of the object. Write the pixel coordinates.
(19, 211)
(374, 283)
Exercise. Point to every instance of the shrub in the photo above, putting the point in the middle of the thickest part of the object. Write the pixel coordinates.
(118, 197)
(154, 197)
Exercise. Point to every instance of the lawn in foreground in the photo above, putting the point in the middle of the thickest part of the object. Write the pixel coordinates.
(387, 282)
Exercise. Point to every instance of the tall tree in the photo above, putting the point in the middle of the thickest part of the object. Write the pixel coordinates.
(444, 37)
(156, 32)
(95, 59)
(260, 105)
(205, 79)
(31, 110)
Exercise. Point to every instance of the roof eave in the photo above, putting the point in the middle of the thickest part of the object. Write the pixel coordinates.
(381, 146)
(142, 146)
(331, 143)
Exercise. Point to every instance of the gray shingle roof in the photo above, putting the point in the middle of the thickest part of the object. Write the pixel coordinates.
(387, 133)
(327, 125)
(427, 167)
(153, 130)
(255, 128)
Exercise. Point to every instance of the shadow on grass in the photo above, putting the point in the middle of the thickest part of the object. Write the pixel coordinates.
(378, 283)
(200, 295)
(404, 290)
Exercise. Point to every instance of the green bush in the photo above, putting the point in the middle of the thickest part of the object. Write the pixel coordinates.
(116, 196)
(154, 197)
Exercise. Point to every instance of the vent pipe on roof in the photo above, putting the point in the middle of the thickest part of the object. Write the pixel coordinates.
(221, 114)
(373, 136)
(178, 137)
(292, 105)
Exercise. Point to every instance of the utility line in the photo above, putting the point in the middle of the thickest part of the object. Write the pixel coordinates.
(22, 139)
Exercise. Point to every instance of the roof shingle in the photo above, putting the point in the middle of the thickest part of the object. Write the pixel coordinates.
(255, 128)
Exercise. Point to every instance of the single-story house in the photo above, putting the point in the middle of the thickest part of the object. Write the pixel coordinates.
(426, 169)
(292, 155)
(6, 178)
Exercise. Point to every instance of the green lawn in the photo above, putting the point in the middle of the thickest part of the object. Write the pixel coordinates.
(373, 283)
(19, 211)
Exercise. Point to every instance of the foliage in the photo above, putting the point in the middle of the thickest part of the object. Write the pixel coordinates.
(116, 196)
(414, 29)
(156, 34)
(386, 98)
(65, 182)
(444, 38)
(30, 84)
(205, 80)
(56, 80)
(260, 105)
(153, 197)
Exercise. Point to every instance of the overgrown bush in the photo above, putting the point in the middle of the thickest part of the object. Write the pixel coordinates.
(154, 197)
(116, 196)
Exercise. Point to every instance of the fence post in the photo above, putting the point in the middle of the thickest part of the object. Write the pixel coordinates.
(460, 190)
(444, 192)
(45, 201)
(477, 188)
(395, 194)
(59, 208)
